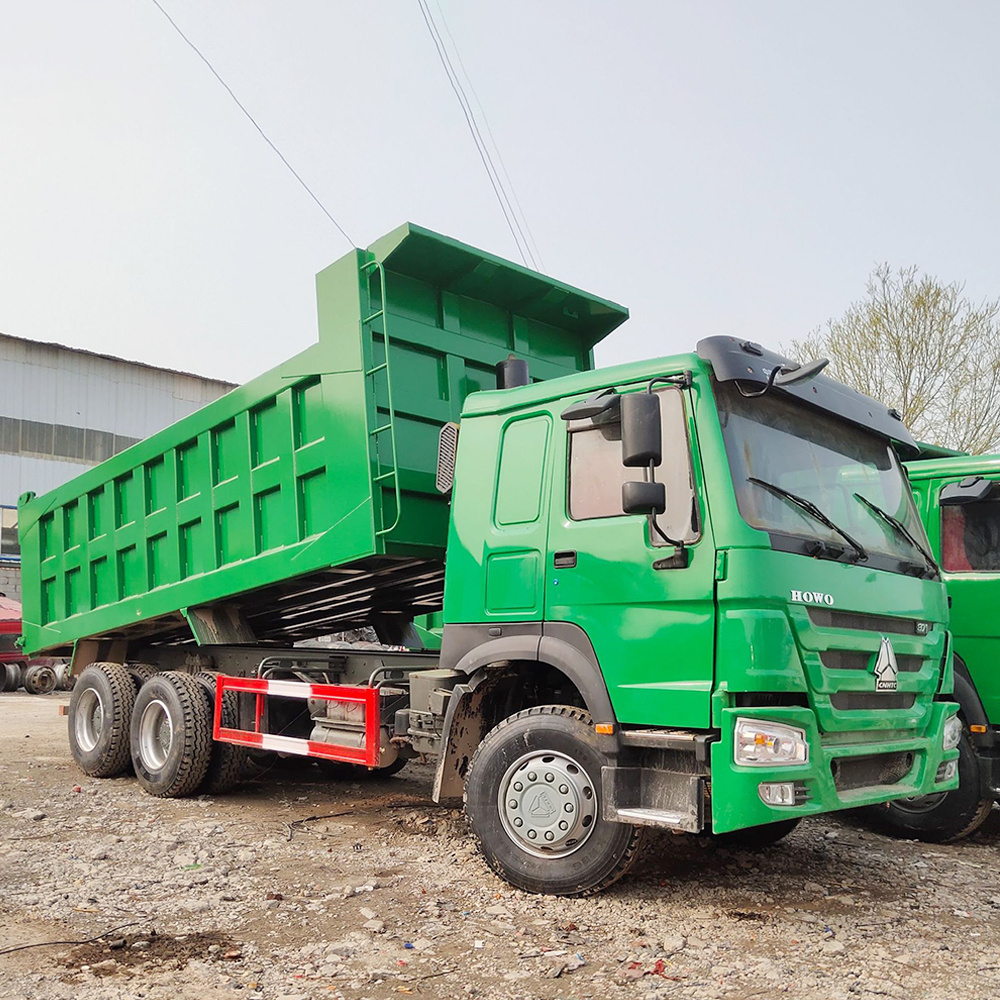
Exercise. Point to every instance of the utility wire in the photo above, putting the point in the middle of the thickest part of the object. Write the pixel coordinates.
(482, 114)
(253, 122)
(508, 213)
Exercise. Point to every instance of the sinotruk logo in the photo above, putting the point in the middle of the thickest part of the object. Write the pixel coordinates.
(885, 670)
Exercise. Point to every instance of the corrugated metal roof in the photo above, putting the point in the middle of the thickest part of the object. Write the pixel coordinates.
(112, 357)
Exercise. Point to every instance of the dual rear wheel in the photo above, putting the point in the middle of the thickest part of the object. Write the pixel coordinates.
(160, 724)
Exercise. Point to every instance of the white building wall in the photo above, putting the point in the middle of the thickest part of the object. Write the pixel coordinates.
(63, 410)
(53, 385)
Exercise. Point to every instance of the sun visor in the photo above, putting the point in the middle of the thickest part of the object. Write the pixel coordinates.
(743, 361)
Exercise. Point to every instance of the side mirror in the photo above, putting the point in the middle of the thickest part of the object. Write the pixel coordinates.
(644, 498)
(642, 440)
(973, 489)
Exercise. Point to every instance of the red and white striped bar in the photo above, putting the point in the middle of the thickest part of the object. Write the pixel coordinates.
(356, 694)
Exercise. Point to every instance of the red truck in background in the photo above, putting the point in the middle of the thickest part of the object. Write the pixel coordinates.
(37, 676)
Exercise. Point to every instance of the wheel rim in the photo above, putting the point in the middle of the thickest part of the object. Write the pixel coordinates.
(156, 735)
(89, 721)
(921, 803)
(547, 804)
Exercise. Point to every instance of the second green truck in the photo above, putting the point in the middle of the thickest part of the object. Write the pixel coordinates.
(691, 593)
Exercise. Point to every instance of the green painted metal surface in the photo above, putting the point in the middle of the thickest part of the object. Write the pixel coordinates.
(975, 594)
(305, 497)
(692, 648)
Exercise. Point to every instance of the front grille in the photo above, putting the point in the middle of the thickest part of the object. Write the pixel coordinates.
(869, 701)
(825, 618)
(853, 659)
(866, 772)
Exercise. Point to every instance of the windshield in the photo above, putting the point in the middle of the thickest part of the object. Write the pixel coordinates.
(850, 477)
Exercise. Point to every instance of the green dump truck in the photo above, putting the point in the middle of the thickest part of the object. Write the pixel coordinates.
(686, 593)
(958, 498)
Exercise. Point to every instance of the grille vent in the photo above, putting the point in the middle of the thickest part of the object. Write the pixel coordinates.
(444, 478)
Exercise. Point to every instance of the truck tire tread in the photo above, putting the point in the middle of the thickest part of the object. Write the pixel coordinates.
(114, 758)
(619, 864)
(229, 763)
(186, 771)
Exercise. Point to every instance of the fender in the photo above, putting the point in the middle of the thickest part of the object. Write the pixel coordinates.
(471, 649)
(970, 706)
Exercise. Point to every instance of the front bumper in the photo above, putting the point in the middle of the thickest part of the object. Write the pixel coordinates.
(844, 770)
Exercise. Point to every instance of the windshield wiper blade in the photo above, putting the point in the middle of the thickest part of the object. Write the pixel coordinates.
(810, 508)
(902, 529)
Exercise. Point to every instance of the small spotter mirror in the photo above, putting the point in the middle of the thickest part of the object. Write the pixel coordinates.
(644, 498)
(604, 403)
(800, 373)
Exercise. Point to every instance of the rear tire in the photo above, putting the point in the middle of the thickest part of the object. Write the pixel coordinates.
(140, 673)
(171, 735)
(756, 838)
(532, 798)
(229, 763)
(943, 817)
(100, 712)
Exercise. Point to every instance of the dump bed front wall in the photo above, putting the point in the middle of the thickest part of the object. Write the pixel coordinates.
(284, 486)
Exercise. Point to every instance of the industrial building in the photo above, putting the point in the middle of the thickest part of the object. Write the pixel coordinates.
(63, 409)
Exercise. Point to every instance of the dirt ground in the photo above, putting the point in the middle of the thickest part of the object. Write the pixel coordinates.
(297, 887)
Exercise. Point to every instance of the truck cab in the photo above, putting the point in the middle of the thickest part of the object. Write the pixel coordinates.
(766, 641)
(958, 499)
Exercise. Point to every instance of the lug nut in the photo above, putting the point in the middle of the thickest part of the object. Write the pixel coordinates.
(532, 834)
(564, 789)
(532, 776)
(550, 776)
(512, 804)
(518, 787)
(549, 835)
(568, 807)
(563, 825)
(518, 821)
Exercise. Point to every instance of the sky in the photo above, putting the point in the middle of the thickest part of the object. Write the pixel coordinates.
(719, 168)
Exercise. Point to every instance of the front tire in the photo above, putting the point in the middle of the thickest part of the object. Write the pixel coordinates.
(942, 817)
(171, 736)
(100, 712)
(532, 798)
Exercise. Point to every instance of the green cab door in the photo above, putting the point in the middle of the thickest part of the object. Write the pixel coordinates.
(967, 536)
(652, 629)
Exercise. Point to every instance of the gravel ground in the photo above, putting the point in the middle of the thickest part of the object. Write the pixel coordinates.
(296, 887)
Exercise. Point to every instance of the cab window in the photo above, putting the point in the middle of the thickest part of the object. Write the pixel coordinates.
(970, 536)
(596, 473)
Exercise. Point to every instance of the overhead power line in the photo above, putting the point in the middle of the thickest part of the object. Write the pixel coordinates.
(496, 182)
(253, 121)
(486, 124)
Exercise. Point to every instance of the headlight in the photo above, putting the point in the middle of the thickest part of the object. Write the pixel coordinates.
(952, 733)
(765, 744)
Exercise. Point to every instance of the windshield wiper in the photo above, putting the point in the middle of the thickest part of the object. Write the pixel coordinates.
(810, 508)
(902, 529)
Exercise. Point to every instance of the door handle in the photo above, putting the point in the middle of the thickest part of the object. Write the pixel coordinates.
(565, 559)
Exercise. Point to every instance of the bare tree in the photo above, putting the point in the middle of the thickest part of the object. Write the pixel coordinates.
(924, 348)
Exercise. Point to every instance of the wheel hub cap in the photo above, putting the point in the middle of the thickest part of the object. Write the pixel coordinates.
(547, 804)
(155, 734)
(89, 719)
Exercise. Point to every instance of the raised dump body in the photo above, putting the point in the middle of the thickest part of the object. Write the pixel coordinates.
(303, 502)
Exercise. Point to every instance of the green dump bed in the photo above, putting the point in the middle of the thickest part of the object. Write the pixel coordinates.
(303, 503)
